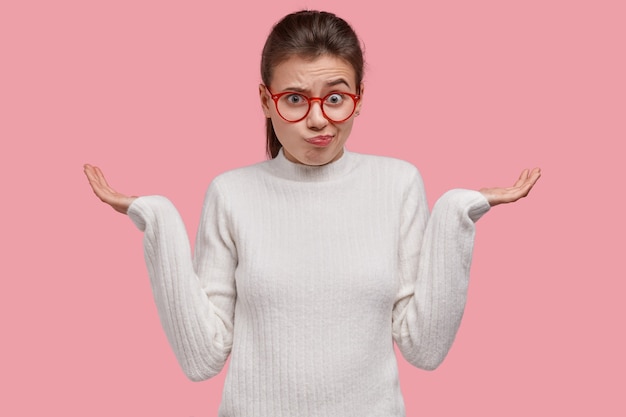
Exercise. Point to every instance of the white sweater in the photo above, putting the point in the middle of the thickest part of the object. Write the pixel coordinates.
(305, 276)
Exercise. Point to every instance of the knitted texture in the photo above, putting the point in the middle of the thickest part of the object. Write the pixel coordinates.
(306, 276)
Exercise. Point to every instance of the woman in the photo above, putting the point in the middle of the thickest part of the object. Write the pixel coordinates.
(310, 265)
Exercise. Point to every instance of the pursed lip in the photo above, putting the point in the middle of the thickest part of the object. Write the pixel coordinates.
(321, 140)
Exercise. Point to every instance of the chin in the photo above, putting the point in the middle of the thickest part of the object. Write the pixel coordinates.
(318, 157)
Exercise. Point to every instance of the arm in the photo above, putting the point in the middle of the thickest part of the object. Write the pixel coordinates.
(194, 298)
(435, 256)
(434, 263)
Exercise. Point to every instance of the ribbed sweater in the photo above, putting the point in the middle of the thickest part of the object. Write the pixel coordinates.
(306, 276)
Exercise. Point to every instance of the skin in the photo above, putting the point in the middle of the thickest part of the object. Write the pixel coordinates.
(312, 77)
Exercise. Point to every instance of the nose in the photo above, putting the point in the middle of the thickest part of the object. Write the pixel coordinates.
(315, 119)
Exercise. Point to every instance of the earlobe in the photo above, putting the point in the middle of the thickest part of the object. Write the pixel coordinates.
(357, 111)
(264, 101)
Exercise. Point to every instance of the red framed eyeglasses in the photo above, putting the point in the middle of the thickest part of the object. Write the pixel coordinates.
(294, 107)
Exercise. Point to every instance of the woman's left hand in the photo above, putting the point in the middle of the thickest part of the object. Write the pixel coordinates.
(520, 189)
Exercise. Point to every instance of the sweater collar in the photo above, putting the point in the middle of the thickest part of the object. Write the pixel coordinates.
(284, 168)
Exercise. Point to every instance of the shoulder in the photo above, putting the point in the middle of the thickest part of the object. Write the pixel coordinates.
(389, 167)
(241, 176)
(237, 184)
(395, 178)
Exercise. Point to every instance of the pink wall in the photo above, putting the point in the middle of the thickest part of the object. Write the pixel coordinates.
(163, 96)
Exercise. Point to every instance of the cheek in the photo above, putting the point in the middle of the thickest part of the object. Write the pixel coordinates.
(284, 131)
(345, 129)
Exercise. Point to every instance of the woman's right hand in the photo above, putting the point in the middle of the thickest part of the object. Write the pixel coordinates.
(105, 193)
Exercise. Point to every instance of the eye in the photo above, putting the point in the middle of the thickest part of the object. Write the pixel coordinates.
(335, 98)
(295, 98)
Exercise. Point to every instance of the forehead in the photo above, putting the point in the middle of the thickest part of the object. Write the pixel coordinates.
(311, 73)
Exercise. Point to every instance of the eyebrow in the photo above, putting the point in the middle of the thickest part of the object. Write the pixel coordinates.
(337, 82)
(328, 84)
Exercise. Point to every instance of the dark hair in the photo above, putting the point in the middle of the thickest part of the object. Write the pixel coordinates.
(309, 34)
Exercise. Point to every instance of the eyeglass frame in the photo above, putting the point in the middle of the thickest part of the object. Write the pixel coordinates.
(355, 98)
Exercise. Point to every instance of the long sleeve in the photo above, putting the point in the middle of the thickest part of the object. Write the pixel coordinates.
(434, 264)
(304, 274)
(195, 298)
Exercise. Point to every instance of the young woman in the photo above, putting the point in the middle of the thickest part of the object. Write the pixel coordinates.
(310, 265)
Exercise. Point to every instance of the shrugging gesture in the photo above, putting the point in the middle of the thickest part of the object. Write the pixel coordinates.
(324, 256)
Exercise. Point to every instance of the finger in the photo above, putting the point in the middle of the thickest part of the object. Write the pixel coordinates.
(535, 174)
(100, 175)
(103, 182)
(99, 185)
(530, 183)
(524, 173)
(522, 178)
(88, 170)
(92, 176)
(534, 177)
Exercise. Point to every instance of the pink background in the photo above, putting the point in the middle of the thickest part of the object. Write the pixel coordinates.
(163, 96)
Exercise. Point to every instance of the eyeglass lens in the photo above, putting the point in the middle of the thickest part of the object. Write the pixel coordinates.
(336, 106)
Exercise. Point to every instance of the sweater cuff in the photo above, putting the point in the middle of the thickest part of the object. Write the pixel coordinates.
(472, 202)
(143, 209)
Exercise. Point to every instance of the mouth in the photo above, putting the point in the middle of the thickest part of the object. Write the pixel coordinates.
(322, 140)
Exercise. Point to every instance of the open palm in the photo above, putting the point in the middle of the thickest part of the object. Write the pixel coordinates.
(100, 186)
(521, 188)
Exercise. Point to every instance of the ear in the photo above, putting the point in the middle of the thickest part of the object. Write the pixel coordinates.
(265, 101)
(360, 103)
